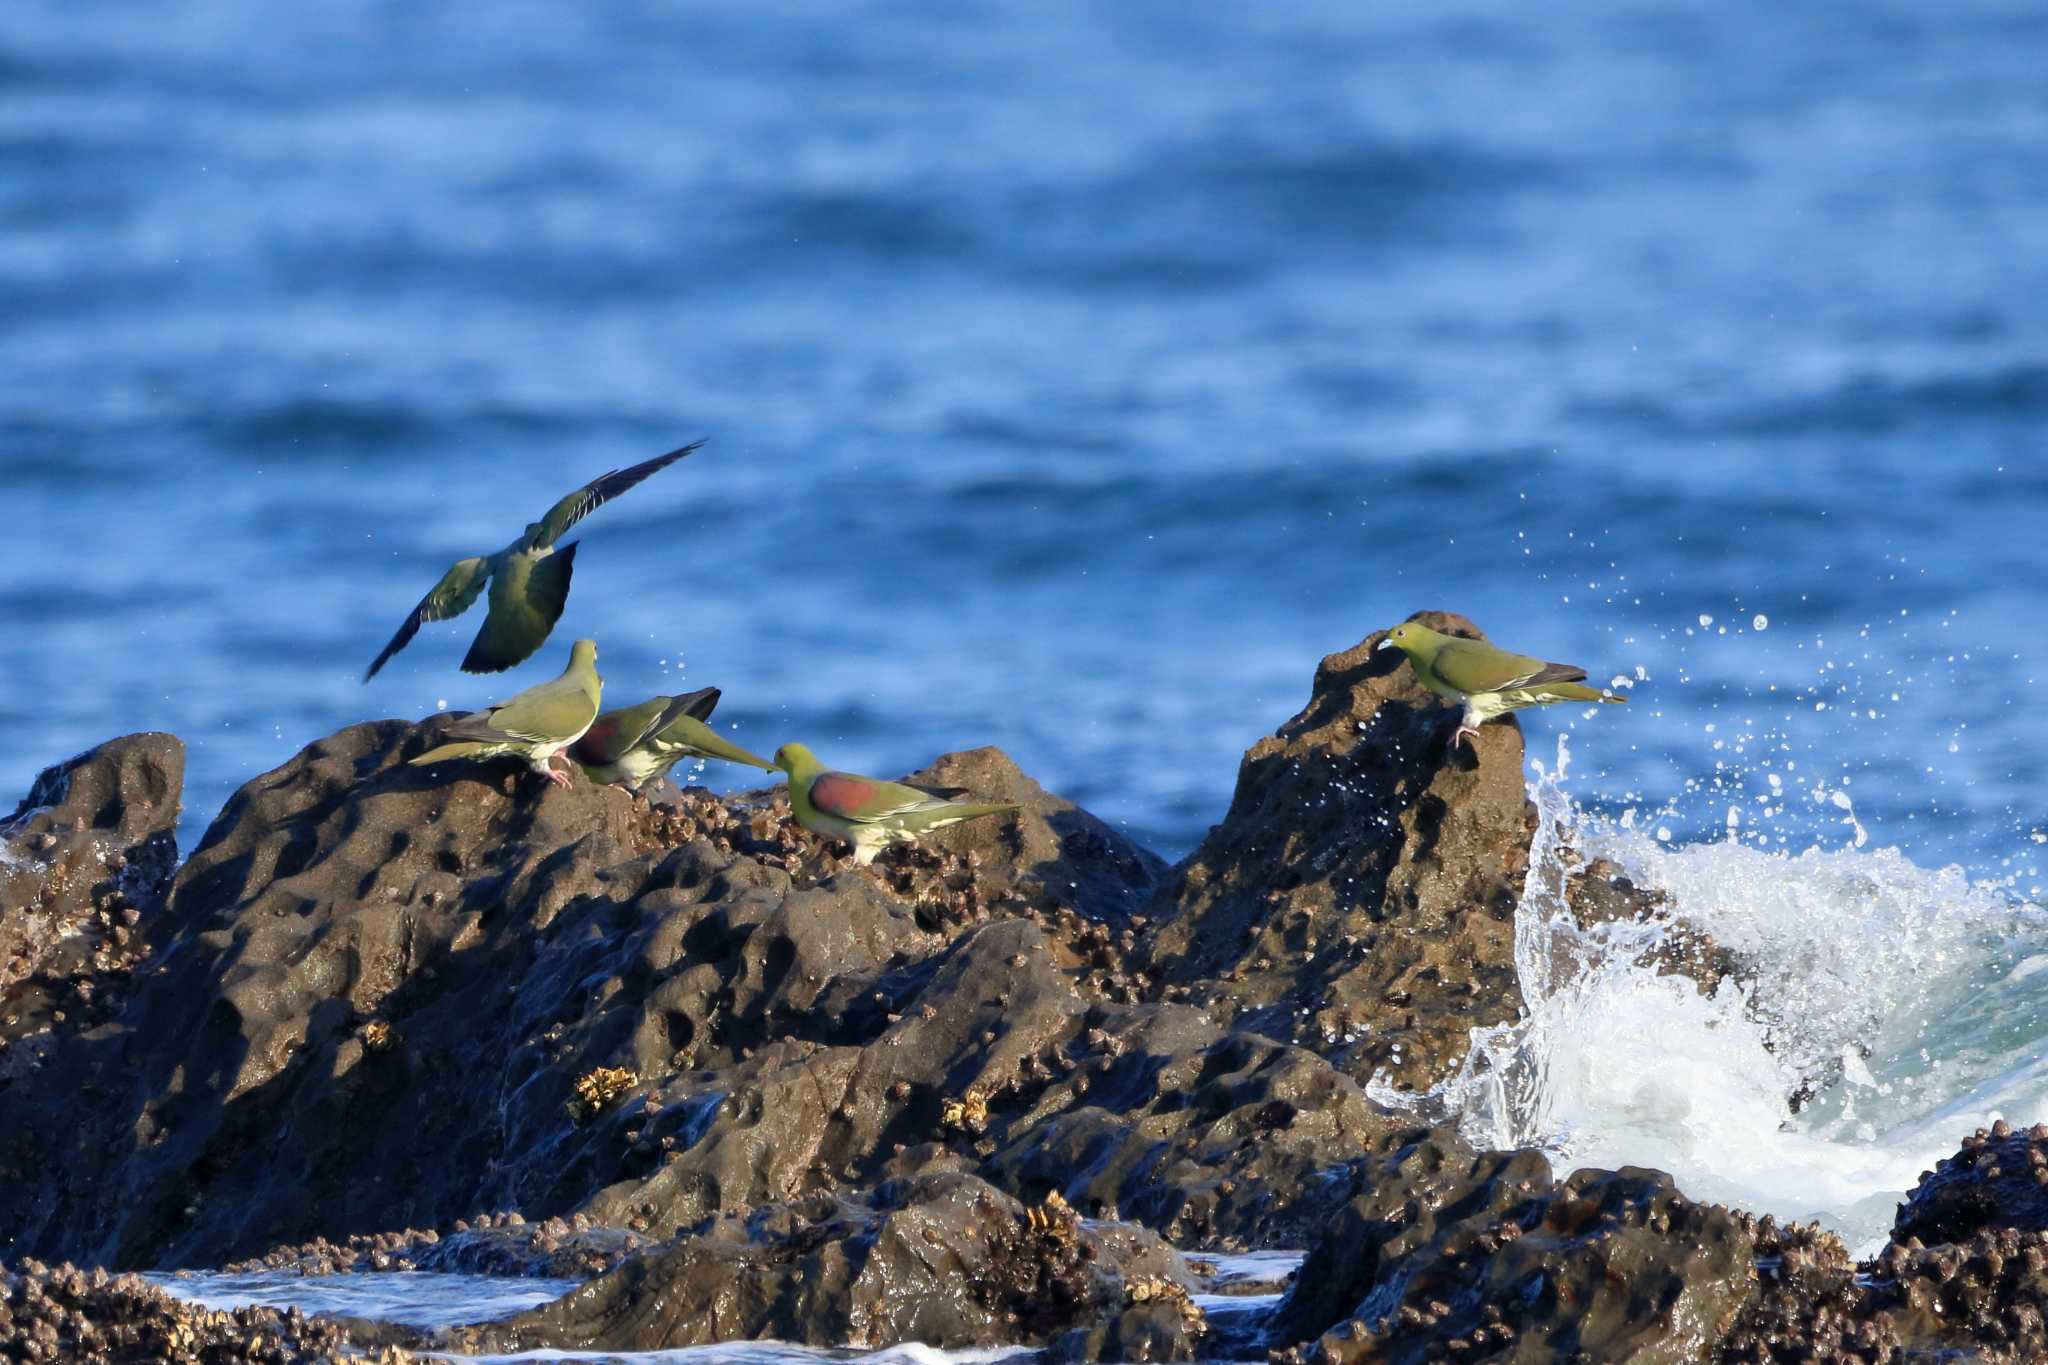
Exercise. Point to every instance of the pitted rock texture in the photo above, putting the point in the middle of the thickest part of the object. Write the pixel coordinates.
(946, 1260)
(411, 972)
(1998, 1179)
(1359, 897)
(1052, 851)
(85, 860)
(1489, 1261)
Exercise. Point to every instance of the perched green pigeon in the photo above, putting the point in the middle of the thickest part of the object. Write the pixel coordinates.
(639, 744)
(1490, 682)
(535, 725)
(867, 812)
(529, 579)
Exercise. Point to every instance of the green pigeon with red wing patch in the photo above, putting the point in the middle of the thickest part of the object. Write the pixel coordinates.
(1488, 681)
(535, 725)
(528, 579)
(637, 745)
(867, 812)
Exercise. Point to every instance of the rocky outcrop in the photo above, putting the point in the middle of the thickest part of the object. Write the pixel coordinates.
(84, 863)
(942, 1259)
(458, 991)
(1359, 896)
(758, 1090)
(1998, 1179)
(1052, 852)
(502, 1244)
(88, 1317)
(1448, 1255)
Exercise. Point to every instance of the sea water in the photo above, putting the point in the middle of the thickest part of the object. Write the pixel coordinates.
(1878, 1011)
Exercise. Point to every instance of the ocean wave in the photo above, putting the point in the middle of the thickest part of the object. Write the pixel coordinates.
(1878, 1010)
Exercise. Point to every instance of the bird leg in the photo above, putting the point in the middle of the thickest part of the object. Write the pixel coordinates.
(1465, 734)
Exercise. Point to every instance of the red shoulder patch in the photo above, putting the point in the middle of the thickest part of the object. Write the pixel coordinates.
(596, 741)
(841, 794)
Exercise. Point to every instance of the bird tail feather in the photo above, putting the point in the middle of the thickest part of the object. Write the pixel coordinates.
(462, 750)
(1580, 692)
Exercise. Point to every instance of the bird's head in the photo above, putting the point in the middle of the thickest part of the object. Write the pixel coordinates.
(583, 654)
(1403, 637)
(795, 758)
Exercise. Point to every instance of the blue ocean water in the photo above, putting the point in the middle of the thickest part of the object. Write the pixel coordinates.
(1074, 376)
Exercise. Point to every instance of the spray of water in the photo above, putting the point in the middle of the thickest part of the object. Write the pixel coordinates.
(1878, 1012)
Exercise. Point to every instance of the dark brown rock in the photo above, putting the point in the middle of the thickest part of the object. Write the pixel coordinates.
(412, 971)
(1218, 1138)
(1997, 1179)
(1051, 851)
(84, 863)
(88, 1317)
(1487, 1261)
(1359, 896)
(946, 1260)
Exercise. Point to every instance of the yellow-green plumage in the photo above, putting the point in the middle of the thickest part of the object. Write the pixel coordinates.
(528, 579)
(867, 812)
(535, 725)
(1488, 681)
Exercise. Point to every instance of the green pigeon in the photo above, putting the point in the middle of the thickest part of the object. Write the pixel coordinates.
(529, 579)
(637, 745)
(535, 725)
(1490, 682)
(867, 812)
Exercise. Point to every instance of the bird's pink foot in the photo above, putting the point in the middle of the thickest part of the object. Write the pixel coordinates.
(556, 775)
(1468, 735)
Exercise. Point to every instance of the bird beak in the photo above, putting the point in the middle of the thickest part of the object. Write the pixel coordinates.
(1384, 644)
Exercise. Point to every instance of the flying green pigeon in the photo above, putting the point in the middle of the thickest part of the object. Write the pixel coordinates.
(529, 579)
(639, 744)
(1490, 682)
(869, 813)
(535, 725)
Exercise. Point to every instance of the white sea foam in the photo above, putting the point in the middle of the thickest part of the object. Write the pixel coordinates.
(1902, 1006)
(414, 1298)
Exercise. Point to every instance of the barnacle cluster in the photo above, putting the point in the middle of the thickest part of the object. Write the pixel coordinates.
(599, 1090)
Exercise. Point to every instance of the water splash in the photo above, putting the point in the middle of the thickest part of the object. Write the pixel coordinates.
(1877, 1012)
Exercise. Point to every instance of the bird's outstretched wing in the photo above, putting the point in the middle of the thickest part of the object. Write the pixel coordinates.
(600, 491)
(865, 800)
(452, 596)
(1472, 666)
(524, 608)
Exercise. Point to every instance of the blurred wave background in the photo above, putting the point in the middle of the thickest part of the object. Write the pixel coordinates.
(1074, 376)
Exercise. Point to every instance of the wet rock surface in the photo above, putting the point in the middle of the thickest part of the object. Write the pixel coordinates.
(1446, 1254)
(1359, 896)
(85, 860)
(458, 990)
(502, 1244)
(88, 1317)
(943, 1259)
(1998, 1179)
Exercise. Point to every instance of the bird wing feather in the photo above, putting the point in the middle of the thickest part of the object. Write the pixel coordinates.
(865, 800)
(600, 491)
(1474, 666)
(453, 595)
(552, 713)
(525, 605)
